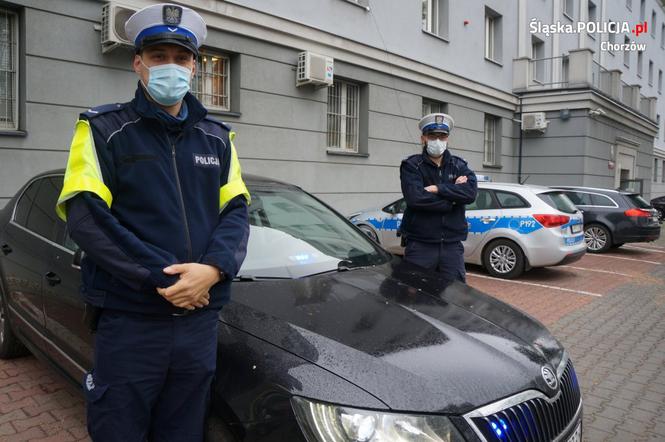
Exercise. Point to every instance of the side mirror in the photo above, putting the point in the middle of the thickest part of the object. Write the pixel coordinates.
(78, 257)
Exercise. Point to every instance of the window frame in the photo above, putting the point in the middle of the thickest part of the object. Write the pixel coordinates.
(495, 201)
(430, 102)
(493, 36)
(495, 153)
(640, 63)
(13, 18)
(436, 19)
(566, 12)
(198, 77)
(525, 203)
(343, 133)
(626, 54)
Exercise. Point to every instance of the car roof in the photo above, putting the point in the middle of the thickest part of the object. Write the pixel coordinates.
(250, 179)
(513, 186)
(596, 189)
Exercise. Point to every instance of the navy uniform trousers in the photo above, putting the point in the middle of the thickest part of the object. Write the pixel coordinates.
(152, 376)
(443, 257)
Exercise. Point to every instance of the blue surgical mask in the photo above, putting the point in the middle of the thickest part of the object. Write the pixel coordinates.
(435, 148)
(167, 83)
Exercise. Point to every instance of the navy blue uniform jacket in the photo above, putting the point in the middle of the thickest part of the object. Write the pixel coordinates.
(439, 217)
(143, 191)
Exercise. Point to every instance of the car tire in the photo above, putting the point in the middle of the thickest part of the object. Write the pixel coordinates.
(10, 346)
(617, 245)
(367, 230)
(504, 259)
(597, 238)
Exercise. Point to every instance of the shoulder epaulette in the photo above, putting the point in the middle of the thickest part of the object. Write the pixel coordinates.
(103, 109)
(220, 123)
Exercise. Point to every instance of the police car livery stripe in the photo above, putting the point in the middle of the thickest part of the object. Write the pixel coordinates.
(83, 173)
(234, 184)
(520, 224)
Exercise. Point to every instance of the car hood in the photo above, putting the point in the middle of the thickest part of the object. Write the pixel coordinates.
(413, 340)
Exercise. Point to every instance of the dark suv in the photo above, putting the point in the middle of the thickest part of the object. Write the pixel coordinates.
(659, 205)
(613, 217)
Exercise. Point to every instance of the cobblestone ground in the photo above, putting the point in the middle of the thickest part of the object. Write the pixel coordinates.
(608, 310)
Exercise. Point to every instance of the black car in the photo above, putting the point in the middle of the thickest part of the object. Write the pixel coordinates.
(327, 338)
(613, 217)
(659, 205)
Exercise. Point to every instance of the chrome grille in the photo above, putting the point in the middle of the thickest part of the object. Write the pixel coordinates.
(536, 419)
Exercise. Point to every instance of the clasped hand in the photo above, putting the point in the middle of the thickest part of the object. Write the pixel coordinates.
(434, 189)
(192, 289)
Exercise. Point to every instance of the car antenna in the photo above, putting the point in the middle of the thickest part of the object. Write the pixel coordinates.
(525, 178)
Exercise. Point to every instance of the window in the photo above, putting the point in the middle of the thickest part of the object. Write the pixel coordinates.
(642, 10)
(565, 68)
(435, 17)
(612, 37)
(537, 59)
(343, 116)
(640, 57)
(492, 137)
(653, 25)
(398, 206)
(579, 198)
(493, 32)
(660, 81)
(211, 82)
(8, 70)
(650, 72)
(629, 5)
(569, 8)
(559, 201)
(662, 178)
(25, 204)
(592, 14)
(601, 200)
(484, 201)
(655, 169)
(626, 53)
(662, 36)
(431, 106)
(509, 200)
(42, 218)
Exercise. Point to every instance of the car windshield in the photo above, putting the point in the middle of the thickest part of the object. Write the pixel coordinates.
(293, 235)
(638, 201)
(559, 201)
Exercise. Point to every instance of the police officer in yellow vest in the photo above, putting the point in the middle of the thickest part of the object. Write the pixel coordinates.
(154, 195)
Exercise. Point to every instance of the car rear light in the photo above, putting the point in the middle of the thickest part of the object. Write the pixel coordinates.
(552, 220)
(641, 213)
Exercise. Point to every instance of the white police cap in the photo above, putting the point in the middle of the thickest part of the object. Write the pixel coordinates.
(166, 23)
(437, 122)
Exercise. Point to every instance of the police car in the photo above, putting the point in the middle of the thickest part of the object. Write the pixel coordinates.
(512, 228)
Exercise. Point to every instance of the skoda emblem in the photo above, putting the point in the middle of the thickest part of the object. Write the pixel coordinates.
(549, 377)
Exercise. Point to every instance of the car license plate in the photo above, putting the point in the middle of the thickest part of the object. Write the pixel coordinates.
(577, 435)
(576, 228)
(573, 240)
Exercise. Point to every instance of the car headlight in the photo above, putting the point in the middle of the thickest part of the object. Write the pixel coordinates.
(331, 423)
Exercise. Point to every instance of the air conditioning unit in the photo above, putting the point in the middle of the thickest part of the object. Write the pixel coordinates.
(534, 121)
(314, 69)
(114, 16)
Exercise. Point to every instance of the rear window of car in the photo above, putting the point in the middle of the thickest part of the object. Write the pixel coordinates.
(559, 201)
(638, 201)
(509, 200)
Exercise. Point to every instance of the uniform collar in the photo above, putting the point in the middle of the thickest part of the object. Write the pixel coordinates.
(446, 158)
(194, 112)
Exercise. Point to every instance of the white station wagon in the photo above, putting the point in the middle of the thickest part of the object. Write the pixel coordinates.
(512, 228)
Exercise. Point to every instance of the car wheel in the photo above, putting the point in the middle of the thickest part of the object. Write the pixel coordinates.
(597, 238)
(367, 230)
(617, 245)
(504, 259)
(10, 346)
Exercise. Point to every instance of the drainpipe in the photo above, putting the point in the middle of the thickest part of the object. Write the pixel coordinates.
(519, 155)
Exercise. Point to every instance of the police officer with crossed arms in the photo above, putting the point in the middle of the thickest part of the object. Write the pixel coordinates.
(436, 186)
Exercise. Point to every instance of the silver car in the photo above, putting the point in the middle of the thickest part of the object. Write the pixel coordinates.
(512, 228)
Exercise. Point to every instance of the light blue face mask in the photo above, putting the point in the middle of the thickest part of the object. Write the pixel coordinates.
(167, 83)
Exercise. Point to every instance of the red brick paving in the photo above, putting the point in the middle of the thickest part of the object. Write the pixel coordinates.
(38, 405)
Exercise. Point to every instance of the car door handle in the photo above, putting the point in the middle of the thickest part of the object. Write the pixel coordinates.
(6, 250)
(487, 220)
(53, 279)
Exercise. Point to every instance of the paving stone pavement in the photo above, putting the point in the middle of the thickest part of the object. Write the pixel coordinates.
(616, 341)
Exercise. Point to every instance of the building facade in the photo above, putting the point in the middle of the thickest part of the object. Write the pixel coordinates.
(394, 60)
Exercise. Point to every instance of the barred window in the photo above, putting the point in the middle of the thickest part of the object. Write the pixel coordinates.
(211, 82)
(431, 107)
(8, 70)
(343, 116)
(489, 149)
